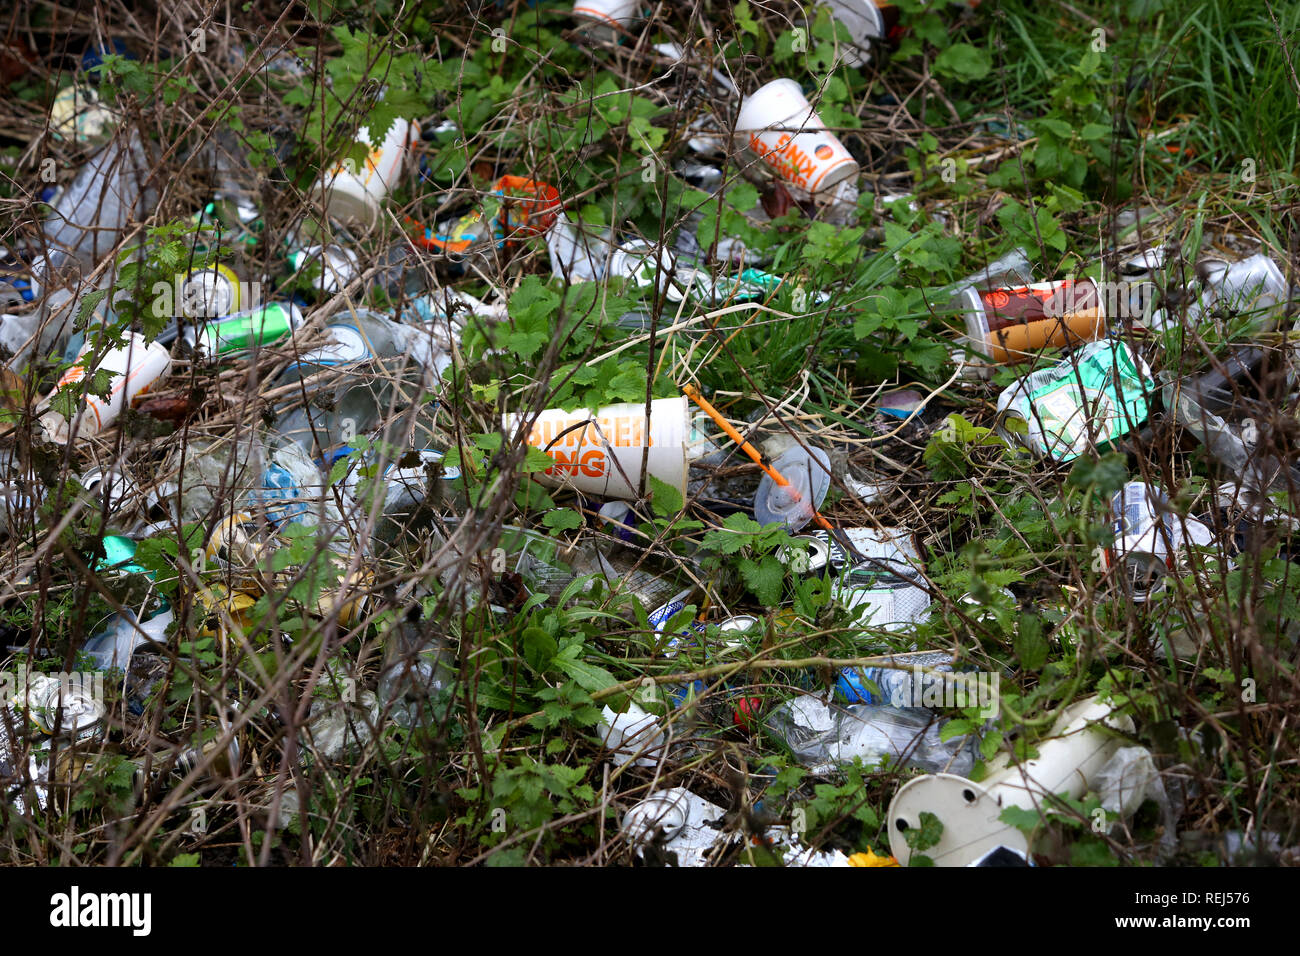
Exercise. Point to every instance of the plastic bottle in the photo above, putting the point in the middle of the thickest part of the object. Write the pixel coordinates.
(91, 215)
(896, 687)
(372, 353)
(824, 736)
(417, 669)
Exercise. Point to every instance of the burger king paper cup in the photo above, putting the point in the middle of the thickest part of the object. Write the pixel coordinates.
(778, 125)
(600, 453)
(133, 370)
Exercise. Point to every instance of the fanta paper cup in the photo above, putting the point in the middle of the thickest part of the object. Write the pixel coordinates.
(778, 125)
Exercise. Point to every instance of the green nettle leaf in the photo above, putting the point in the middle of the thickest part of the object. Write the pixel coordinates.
(1091, 852)
(664, 498)
(956, 728)
(562, 519)
(535, 460)
(927, 834)
(1026, 821)
(764, 577)
(89, 303)
(1031, 648)
(1108, 473)
(963, 62)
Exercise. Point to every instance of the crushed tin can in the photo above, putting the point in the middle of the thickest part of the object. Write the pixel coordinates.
(877, 570)
(1151, 539)
(79, 116)
(351, 599)
(224, 611)
(1252, 286)
(240, 333)
(677, 822)
(806, 555)
(212, 292)
(527, 208)
(1010, 325)
(238, 547)
(68, 706)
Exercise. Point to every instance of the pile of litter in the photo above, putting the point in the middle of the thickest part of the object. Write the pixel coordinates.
(623, 463)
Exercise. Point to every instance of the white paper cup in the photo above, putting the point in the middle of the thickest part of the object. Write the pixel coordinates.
(134, 369)
(586, 446)
(778, 125)
(604, 18)
(351, 194)
(865, 24)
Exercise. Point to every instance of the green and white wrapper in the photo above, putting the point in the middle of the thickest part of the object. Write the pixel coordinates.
(1065, 419)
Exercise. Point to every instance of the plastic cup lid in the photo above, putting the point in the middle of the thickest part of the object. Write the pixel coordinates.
(809, 475)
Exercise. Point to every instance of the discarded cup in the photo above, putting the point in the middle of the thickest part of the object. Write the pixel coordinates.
(133, 368)
(778, 125)
(601, 453)
(606, 19)
(352, 195)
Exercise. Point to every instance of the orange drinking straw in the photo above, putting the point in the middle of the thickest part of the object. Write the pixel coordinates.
(691, 392)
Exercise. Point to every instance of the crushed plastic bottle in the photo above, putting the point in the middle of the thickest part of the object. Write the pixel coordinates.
(375, 376)
(824, 737)
(112, 189)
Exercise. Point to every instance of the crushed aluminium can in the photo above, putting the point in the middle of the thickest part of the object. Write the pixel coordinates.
(880, 579)
(1151, 539)
(210, 293)
(69, 707)
(528, 208)
(806, 555)
(242, 332)
(78, 115)
(1009, 325)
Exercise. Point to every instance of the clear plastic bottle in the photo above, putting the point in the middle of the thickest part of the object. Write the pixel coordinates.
(377, 380)
(91, 215)
(898, 687)
(417, 669)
